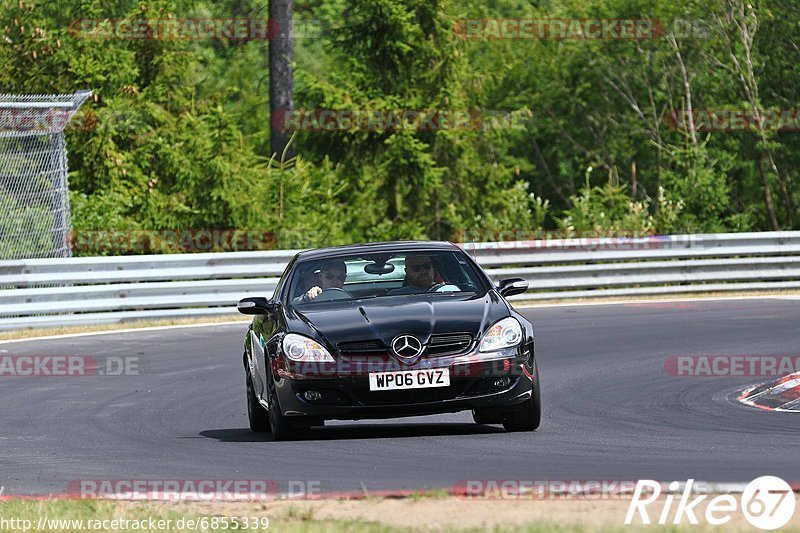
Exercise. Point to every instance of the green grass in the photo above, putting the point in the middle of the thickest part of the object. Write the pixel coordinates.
(434, 494)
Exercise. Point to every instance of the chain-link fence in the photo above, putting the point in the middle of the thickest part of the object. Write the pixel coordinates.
(34, 193)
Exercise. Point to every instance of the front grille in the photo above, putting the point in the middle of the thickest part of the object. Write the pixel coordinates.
(441, 344)
(361, 347)
(449, 344)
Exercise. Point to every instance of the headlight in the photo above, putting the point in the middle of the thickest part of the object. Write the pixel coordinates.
(503, 334)
(300, 348)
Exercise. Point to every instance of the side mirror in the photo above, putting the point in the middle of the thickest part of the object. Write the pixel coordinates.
(255, 305)
(512, 286)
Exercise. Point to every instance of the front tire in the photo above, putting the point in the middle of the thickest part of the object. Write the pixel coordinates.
(259, 420)
(281, 427)
(528, 416)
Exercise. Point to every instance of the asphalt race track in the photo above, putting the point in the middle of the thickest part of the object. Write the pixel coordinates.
(611, 411)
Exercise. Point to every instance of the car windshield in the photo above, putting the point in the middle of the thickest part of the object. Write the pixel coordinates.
(383, 275)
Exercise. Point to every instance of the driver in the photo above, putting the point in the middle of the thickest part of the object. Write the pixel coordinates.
(332, 275)
(419, 275)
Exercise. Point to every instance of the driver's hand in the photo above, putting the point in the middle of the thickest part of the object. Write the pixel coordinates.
(312, 293)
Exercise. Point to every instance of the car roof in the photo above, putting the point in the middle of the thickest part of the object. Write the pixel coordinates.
(376, 247)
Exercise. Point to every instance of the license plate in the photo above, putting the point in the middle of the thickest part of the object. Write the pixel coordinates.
(409, 379)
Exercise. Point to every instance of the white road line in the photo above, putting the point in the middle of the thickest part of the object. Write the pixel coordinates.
(126, 330)
(675, 300)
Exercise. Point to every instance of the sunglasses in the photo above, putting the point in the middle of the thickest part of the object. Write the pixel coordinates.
(332, 276)
(421, 268)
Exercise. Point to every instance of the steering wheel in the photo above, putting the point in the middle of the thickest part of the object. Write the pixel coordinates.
(333, 293)
(437, 287)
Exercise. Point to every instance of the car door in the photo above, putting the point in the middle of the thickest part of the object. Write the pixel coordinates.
(262, 341)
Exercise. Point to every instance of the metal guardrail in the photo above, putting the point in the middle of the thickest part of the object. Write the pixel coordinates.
(98, 290)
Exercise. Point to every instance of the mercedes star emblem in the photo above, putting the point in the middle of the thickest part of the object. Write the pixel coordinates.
(406, 346)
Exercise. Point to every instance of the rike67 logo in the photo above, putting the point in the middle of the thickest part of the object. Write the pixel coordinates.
(767, 503)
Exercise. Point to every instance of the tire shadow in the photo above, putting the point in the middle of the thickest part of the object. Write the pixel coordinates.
(358, 432)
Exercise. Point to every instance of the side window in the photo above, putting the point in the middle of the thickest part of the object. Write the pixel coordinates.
(455, 270)
(282, 281)
(304, 279)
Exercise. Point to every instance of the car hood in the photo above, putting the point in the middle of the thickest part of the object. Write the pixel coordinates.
(386, 318)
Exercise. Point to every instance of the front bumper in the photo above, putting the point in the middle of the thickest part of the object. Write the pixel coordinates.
(501, 379)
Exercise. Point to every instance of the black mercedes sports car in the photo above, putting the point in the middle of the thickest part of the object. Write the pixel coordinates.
(385, 330)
